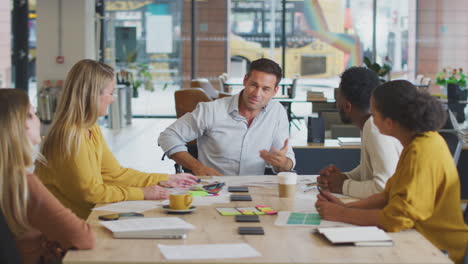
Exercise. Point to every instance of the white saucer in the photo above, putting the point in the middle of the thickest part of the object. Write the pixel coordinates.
(174, 211)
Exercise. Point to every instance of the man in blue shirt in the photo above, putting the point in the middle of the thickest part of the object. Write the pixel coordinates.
(237, 135)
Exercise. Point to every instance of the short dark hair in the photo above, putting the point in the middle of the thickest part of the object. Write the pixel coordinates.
(357, 84)
(417, 111)
(267, 66)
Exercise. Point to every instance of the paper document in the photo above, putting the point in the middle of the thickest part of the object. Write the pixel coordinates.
(208, 251)
(359, 235)
(162, 227)
(209, 200)
(349, 141)
(130, 206)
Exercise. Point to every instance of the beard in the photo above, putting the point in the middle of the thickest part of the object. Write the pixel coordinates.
(345, 119)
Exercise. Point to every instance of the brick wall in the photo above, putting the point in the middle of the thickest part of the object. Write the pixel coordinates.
(442, 38)
(211, 29)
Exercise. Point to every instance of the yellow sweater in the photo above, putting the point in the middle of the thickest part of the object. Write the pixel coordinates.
(424, 193)
(93, 176)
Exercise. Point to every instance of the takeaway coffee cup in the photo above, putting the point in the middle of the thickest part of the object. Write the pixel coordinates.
(287, 184)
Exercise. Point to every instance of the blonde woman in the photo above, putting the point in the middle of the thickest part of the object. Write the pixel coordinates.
(81, 171)
(44, 229)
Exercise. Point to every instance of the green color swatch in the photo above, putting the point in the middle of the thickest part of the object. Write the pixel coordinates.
(198, 193)
(304, 219)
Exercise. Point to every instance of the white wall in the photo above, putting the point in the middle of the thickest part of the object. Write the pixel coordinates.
(78, 36)
(5, 44)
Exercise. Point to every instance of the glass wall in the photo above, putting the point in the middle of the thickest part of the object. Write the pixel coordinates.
(211, 35)
(392, 35)
(319, 39)
(144, 38)
(322, 38)
(325, 37)
(5, 44)
(256, 30)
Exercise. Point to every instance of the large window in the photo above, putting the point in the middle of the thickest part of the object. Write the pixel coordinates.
(256, 29)
(322, 38)
(5, 45)
(144, 37)
(392, 34)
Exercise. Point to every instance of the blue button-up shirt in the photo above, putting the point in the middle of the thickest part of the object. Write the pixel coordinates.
(225, 141)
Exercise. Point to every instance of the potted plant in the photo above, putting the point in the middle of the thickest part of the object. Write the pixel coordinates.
(377, 68)
(455, 77)
(143, 78)
(454, 83)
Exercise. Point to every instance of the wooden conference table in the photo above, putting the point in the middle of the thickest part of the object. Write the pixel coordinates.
(278, 245)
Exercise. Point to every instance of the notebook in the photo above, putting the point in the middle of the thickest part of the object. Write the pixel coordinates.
(163, 227)
(359, 236)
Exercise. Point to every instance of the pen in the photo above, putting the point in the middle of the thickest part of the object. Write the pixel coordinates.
(320, 191)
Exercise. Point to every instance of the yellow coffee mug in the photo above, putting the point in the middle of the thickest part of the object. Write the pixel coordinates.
(180, 201)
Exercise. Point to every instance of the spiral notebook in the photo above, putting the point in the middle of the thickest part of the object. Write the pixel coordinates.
(358, 236)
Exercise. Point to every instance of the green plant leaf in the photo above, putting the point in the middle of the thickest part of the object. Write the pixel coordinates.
(367, 62)
(375, 67)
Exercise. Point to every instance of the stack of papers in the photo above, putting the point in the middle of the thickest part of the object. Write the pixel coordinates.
(359, 236)
(208, 251)
(349, 141)
(163, 227)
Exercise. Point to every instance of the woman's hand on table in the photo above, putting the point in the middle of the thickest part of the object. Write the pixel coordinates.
(328, 197)
(155, 192)
(329, 206)
(329, 210)
(180, 180)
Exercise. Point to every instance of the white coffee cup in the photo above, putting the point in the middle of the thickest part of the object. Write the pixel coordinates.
(287, 184)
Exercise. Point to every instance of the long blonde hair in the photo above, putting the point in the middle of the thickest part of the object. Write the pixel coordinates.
(15, 158)
(78, 108)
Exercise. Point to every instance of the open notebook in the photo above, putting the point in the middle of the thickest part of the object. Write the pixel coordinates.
(163, 227)
(359, 236)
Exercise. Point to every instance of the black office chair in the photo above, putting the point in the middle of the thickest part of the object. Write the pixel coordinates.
(8, 251)
(455, 146)
(192, 149)
(453, 142)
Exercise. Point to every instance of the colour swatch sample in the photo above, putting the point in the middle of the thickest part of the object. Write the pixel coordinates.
(304, 219)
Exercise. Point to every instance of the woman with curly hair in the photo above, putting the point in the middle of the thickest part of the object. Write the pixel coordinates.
(424, 191)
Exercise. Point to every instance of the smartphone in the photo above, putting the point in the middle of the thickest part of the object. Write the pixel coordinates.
(110, 217)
